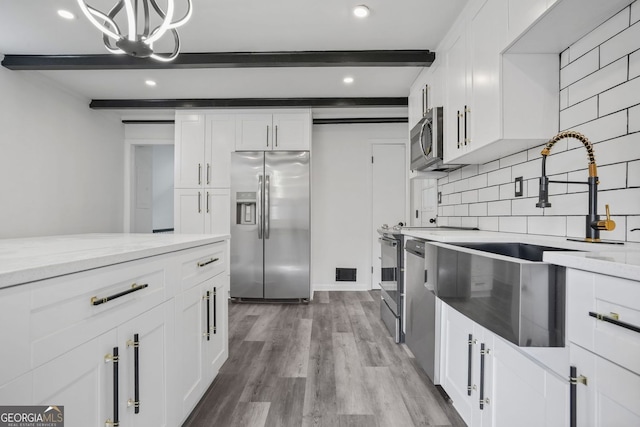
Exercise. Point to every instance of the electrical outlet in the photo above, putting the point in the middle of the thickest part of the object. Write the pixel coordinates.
(439, 197)
(518, 186)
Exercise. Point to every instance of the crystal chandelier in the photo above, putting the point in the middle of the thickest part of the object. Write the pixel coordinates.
(138, 40)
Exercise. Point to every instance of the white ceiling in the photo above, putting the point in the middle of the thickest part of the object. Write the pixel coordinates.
(33, 27)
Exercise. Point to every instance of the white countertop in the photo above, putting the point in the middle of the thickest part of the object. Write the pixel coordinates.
(36, 258)
(614, 260)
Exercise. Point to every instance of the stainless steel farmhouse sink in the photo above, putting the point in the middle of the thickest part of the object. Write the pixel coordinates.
(514, 294)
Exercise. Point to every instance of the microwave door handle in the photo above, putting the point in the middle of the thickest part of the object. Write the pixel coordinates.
(422, 147)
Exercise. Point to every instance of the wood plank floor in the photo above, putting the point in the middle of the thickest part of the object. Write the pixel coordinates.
(327, 363)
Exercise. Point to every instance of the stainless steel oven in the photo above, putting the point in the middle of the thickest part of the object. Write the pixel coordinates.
(391, 281)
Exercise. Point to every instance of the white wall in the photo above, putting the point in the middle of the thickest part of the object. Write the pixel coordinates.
(599, 97)
(162, 186)
(61, 163)
(341, 200)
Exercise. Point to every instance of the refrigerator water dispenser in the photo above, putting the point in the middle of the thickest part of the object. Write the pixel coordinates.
(246, 208)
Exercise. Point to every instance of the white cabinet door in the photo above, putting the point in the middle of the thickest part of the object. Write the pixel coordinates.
(612, 394)
(221, 139)
(291, 131)
(216, 349)
(190, 149)
(520, 392)
(15, 305)
(487, 33)
(218, 211)
(456, 98)
(459, 371)
(253, 132)
(418, 97)
(189, 211)
(82, 381)
(149, 339)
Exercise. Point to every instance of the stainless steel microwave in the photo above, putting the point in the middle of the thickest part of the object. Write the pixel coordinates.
(427, 139)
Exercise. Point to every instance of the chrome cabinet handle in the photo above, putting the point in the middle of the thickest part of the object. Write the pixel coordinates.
(259, 207)
(199, 201)
(467, 112)
(207, 204)
(267, 207)
(458, 127)
(207, 298)
(483, 353)
(276, 135)
(208, 174)
(199, 173)
(267, 135)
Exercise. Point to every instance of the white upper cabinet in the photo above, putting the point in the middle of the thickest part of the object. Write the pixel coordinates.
(419, 97)
(265, 131)
(190, 150)
(203, 146)
(495, 104)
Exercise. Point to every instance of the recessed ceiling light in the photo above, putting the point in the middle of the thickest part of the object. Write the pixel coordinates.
(66, 14)
(361, 11)
(150, 83)
(348, 80)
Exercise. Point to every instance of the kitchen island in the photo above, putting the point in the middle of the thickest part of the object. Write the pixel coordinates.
(128, 328)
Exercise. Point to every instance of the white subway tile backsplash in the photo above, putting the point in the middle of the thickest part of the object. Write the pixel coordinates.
(461, 210)
(579, 113)
(600, 97)
(470, 196)
(501, 208)
(621, 202)
(635, 15)
(468, 171)
(620, 45)
(512, 224)
(489, 193)
(479, 181)
(607, 77)
(633, 177)
(488, 167)
(634, 119)
(618, 150)
(507, 191)
(564, 58)
(580, 68)
(478, 209)
(528, 170)
(514, 159)
(620, 97)
(634, 64)
(489, 223)
(601, 34)
(568, 204)
(548, 225)
(526, 207)
(601, 129)
(499, 176)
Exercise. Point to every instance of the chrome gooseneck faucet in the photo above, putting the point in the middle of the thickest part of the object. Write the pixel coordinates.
(593, 222)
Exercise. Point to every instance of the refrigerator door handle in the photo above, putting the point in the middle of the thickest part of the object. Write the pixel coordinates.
(267, 206)
(259, 207)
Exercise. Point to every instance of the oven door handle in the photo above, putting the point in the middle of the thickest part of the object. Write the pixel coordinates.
(388, 242)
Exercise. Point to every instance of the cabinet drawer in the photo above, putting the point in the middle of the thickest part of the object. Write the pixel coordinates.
(14, 332)
(611, 297)
(70, 310)
(200, 264)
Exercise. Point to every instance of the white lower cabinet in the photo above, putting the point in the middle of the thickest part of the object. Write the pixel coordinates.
(606, 394)
(125, 343)
(491, 383)
(202, 338)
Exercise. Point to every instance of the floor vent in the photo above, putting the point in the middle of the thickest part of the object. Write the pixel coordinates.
(345, 274)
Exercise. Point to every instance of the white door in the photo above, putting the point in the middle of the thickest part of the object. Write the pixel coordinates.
(216, 347)
(189, 208)
(388, 180)
(221, 139)
(189, 156)
(218, 211)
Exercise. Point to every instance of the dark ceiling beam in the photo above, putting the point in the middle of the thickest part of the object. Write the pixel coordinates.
(247, 103)
(333, 58)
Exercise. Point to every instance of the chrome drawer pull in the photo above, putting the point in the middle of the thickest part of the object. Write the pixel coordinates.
(212, 260)
(614, 321)
(134, 288)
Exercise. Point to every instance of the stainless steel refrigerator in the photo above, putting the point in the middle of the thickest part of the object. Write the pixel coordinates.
(270, 242)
